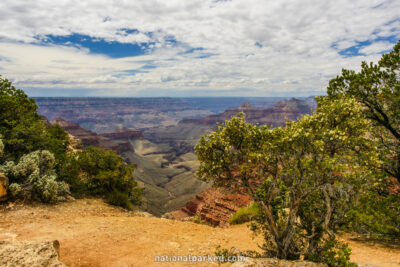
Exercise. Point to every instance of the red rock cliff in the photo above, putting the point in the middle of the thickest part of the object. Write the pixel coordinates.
(124, 134)
(89, 138)
(216, 205)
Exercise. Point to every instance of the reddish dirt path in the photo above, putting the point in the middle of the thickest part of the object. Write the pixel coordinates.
(92, 233)
(373, 253)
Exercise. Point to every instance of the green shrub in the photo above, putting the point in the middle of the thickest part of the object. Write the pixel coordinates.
(197, 219)
(376, 214)
(245, 214)
(34, 178)
(332, 252)
(120, 199)
(15, 189)
(223, 254)
(100, 172)
(23, 129)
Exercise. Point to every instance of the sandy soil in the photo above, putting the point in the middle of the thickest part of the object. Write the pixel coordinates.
(92, 233)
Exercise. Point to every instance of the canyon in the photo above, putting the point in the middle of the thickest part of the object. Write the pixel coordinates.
(158, 136)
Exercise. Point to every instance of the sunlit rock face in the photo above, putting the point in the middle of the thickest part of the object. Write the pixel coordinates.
(216, 206)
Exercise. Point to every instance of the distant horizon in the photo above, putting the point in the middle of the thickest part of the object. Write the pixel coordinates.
(102, 97)
(172, 94)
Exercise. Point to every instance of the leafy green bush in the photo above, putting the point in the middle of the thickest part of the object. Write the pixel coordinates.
(103, 173)
(377, 88)
(224, 254)
(22, 128)
(376, 214)
(34, 177)
(197, 219)
(245, 214)
(332, 252)
(120, 199)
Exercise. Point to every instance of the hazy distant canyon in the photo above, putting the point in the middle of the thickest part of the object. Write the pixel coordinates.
(157, 135)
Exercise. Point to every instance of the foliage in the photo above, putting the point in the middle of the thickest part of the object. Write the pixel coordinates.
(34, 177)
(377, 215)
(102, 173)
(18, 120)
(1, 148)
(333, 253)
(304, 176)
(197, 219)
(22, 128)
(42, 153)
(245, 214)
(224, 254)
(377, 88)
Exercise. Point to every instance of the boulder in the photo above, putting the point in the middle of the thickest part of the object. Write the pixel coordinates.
(3, 187)
(15, 253)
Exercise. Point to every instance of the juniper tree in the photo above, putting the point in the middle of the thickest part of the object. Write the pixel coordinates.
(377, 88)
(304, 175)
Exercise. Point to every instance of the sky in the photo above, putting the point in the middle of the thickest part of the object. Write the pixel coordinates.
(190, 47)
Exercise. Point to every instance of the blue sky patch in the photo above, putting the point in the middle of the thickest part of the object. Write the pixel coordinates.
(131, 72)
(205, 55)
(258, 44)
(354, 50)
(98, 45)
(191, 50)
(149, 67)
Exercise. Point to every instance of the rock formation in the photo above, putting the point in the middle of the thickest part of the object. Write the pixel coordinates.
(89, 138)
(3, 187)
(13, 253)
(106, 114)
(275, 116)
(214, 205)
(124, 134)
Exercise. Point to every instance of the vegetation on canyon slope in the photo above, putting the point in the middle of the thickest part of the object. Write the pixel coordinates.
(38, 164)
(326, 171)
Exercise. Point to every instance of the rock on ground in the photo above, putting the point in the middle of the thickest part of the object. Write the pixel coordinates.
(3, 187)
(14, 253)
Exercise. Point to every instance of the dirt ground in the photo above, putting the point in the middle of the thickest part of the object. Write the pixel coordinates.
(92, 233)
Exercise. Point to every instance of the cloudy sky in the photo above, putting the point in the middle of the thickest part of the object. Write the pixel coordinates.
(189, 47)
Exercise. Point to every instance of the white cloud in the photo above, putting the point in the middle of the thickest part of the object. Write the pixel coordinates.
(299, 43)
(376, 48)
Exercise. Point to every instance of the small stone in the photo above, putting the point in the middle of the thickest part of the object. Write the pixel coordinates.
(3, 187)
